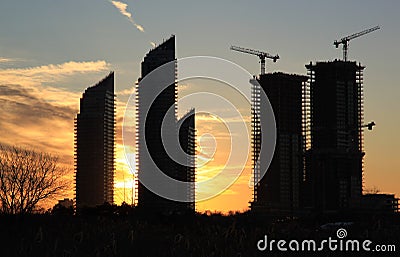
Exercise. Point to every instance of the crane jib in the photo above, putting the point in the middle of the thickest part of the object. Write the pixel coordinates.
(345, 41)
(260, 54)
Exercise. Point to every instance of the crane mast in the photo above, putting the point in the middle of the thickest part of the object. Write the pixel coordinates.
(345, 41)
(260, 54)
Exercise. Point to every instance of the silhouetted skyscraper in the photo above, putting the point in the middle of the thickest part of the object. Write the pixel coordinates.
(187, 140)
(94, 145)
(334, 158)
(279, 189)
(150, 122)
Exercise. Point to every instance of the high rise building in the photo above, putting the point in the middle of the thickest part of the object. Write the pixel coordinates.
(187, 141)
(333, 122)
(94, 145)
(162, 113)
(279, 190)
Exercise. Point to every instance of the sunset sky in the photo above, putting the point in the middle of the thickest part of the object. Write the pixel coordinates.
(51, 50)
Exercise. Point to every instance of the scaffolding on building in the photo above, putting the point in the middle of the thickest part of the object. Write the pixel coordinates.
(135, 179)
(360, 106)
(255, 135)
(333, 122)
(307, 117)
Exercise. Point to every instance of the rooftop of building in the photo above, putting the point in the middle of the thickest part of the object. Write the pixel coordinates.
(282, 75)
(104, 84)
(380, 195)
(335, 62)
(168, 44)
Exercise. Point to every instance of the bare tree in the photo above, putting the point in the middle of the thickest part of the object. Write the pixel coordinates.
(27, 178)
(372, 190)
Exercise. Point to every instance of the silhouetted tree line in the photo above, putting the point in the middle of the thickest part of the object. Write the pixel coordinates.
(28, 177)
(110, 230)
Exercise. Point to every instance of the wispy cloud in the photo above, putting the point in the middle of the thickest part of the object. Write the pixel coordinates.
(33, 112)
(49, 73)
(122, 7)
(6, 60)
(66, 68)
(125, 92)
(30, 120)
(2, 59)
(37, 113)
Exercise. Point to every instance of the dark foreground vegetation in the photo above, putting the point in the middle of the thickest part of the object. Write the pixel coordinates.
(123, 231)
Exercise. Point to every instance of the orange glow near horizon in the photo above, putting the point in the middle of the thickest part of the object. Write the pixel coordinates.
(41, 117)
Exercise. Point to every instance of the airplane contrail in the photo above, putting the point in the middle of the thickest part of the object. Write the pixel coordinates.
(122, 7)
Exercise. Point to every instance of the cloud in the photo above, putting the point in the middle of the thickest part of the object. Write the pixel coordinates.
(122, 7)
(39, 115)
(3, 59)
(66, 68)
(49, 73)
(6, 61)
(139, 27)
(38, 80)
(23, 89)
(28, 120)
(31, 121)
(125, 92)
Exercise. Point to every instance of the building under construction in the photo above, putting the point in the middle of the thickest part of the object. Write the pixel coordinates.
(333, 132)
(186, 173)
(94, 145)
(162, 113)
(279, 190)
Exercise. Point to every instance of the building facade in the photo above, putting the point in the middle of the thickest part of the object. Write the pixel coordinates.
(94, 145)
(334, 154)
(157, 121)
(187, 141)
(380, 203)
(279, 190)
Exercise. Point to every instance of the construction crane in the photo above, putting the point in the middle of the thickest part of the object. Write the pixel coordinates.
(260, 54)
(345, 40)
